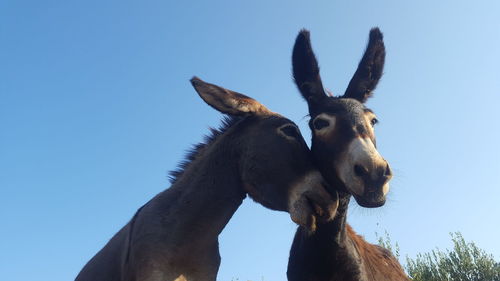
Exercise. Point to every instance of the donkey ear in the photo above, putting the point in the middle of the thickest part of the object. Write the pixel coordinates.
(227, 101)
(370, 69)
(306, 71)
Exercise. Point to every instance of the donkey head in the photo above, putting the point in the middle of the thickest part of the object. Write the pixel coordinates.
(274, 162)
(343, 138)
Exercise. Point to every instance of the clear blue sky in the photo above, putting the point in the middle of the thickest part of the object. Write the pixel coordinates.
(95, 108)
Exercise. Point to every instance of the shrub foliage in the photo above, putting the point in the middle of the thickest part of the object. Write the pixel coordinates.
(465, 262)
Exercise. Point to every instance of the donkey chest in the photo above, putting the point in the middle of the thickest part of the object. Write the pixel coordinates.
(338, 263)
(174, 261)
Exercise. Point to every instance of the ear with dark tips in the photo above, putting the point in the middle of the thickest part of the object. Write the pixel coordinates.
(227, 101)
(370, 69)
(306, 71)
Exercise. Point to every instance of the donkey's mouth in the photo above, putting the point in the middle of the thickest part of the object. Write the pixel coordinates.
(323, 213)
(302, 213)
(312, 208)
(317, 213)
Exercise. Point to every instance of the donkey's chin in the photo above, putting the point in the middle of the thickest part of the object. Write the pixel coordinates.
(369, 202)
(368, 199)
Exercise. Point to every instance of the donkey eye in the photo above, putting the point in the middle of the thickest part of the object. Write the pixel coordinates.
(291, 131)
(374, 121)
(320, 123)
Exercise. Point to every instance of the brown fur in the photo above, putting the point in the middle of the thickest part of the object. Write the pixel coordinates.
(379, 261)
(175, 235)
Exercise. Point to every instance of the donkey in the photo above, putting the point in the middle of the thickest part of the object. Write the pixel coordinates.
(175, 235)
(343, 141)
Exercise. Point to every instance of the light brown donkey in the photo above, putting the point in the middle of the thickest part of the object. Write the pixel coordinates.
(175, 235)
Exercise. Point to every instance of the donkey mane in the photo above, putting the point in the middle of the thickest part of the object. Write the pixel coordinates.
(197, 150)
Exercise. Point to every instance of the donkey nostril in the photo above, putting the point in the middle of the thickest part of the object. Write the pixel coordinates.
(360, 171)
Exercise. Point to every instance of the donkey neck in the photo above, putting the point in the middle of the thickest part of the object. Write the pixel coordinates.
(341, 249)
(327, 254)
(335, 230)
(203, 199)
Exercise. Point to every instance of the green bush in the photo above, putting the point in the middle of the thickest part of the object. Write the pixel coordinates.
(465, 262)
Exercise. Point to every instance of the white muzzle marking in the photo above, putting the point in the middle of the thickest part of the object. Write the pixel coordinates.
(361, 151)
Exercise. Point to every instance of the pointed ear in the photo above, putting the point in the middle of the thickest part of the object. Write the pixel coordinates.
(227, 101)
(370, 69)
(306, 71)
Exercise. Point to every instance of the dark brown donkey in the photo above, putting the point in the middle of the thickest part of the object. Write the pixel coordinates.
(343, 141)
(175, 235)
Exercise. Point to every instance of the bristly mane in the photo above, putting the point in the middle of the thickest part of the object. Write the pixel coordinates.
(192, 153)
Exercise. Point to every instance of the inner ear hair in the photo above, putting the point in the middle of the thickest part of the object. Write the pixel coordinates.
(227, 101)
